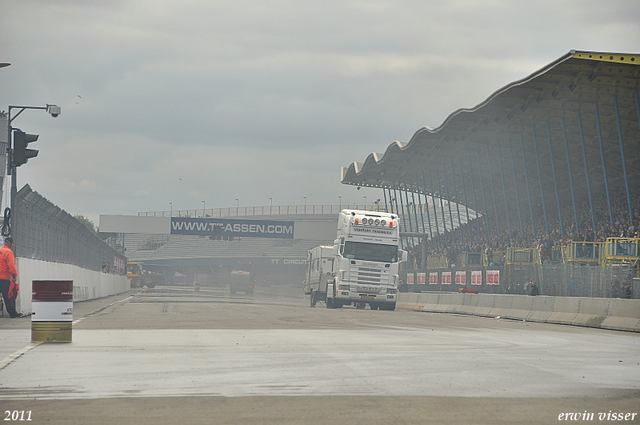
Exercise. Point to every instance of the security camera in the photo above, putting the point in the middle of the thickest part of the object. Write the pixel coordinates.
(54, 110)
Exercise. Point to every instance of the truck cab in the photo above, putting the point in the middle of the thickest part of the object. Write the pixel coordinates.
(365, 259)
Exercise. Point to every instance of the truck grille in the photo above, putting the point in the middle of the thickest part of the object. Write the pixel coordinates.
(370, 276)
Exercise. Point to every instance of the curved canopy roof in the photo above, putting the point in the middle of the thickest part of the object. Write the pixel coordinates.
(580, 112)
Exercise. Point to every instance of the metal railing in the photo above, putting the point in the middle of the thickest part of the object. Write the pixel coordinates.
(261, 210)
(622, 250)
(583, 252)
(522, 256)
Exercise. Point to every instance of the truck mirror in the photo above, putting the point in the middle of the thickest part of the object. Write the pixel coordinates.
(404, 255)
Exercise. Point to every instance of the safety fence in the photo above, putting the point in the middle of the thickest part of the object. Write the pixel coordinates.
(47, 233)
(614, 281)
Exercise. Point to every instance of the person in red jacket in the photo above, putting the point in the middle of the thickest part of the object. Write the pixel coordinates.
(7, 273)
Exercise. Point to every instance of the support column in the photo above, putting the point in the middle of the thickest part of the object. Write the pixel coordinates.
(504, 192)
(544, 207)
(435, 211)
(464, 192)
(555, 182)
(604, 168)
(493, 192)
(573, 197)
(515, 186)
(475, 200)
(446, 188)
(624, 163)
(444, 221)
(386, 205)
(455, 194)
(526, 179)
(426, 202)
(586, 172)
(484, 199)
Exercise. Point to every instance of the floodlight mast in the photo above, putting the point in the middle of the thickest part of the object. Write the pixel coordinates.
(54, 110)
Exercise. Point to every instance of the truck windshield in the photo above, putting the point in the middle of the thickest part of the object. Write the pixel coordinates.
(371, 252)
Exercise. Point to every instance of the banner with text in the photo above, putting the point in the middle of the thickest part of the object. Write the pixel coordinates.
(232, 227)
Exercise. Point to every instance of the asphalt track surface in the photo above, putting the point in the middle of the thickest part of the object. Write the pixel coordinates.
(171, 355)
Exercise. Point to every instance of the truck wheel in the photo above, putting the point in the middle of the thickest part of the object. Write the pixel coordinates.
(330, 303)
(374, 306)
(388, 306)
(361, 306)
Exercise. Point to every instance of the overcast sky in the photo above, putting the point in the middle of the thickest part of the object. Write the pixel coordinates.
(166, 104)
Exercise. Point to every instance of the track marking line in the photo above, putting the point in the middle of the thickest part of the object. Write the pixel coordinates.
(10, 358)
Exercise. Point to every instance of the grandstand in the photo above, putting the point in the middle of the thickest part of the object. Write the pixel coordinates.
(548, 162)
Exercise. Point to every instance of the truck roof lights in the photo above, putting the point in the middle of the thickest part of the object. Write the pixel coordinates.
(373, 222)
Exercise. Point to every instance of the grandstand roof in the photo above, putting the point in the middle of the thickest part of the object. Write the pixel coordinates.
(580, 96)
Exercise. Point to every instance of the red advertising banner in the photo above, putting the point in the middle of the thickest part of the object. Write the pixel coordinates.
(476, 277)
(446, 278)
(433, 278)
(421, 278)
(461, 278)
(493, 277)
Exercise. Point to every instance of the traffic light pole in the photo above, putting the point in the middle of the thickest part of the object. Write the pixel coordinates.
(12, 170)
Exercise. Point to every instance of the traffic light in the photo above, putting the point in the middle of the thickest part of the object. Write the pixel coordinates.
(20, 153)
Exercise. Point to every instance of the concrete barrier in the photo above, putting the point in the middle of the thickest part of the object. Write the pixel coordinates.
(615, 313)
(521, 308)
(623, 315)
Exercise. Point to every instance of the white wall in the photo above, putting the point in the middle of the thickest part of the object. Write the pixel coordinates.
(87, 284)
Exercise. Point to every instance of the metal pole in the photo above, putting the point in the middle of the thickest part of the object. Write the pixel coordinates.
(406, 195)
(526, 179)
(464, 192)
(493, 192)
(604, 168)
(455, 194)
(586, 172)
(504, 191)
(475, 200)
(573, 197)
(624, 164)
(386, 205)
(484, 199)
(408, 219)
(417, 188)
(446, 188)
(435, 209)
(555, 183)
(426, 202)
(401, 210)
(444, 220)
(544, 208)
(515, 186)
(423, 239)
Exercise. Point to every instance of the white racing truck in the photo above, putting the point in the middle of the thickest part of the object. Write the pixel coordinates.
(361, 267)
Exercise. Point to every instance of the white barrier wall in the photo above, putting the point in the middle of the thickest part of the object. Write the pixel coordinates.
(607, 313)
(87, 284)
